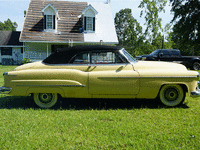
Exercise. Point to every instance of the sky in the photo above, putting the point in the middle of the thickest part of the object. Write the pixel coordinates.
(14, 10)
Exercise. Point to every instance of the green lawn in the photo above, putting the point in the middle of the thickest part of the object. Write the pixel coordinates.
(98, 124)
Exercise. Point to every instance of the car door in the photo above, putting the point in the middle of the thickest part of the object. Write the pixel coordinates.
(110, 74)
(164, 55)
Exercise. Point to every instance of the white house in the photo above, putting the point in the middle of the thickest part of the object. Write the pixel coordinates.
(55, 24)
(11, 50)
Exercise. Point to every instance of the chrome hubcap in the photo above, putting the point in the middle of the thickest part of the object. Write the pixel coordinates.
(196, 66)
(171, 94)
(45, 97)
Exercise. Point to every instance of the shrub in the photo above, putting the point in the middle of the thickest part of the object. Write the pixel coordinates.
(24, 61)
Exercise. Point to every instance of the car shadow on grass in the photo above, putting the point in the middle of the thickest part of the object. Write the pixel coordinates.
(13, 102)
(10, 102)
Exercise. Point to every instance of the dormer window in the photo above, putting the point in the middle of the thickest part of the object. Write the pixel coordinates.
(50, 15)
(89, 23)
(89, 14)
(49, 22)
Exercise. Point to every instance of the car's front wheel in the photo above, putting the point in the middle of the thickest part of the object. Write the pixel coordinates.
(172, 95)
(196, 65)
(45, 100)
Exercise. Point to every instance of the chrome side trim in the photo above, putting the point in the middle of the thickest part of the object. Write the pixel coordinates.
(5, 90)
(146, 77)
(55, 85)
(117, 77)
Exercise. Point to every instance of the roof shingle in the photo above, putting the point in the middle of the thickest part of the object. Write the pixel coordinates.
(68, 23)
(10, 38)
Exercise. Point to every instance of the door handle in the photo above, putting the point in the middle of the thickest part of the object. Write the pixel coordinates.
(119, 69)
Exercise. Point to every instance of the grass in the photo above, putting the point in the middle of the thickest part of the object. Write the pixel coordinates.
(98, 124)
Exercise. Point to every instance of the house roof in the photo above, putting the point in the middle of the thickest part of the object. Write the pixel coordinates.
(68, 22)
(10, 38)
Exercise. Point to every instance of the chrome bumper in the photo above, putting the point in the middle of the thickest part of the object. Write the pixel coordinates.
(5, 90)
(196, 93)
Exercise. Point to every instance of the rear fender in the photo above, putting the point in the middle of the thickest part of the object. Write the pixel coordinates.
(45, 90)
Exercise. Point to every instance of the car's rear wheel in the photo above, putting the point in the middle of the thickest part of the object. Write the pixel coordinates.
(172, 95)
(45, 100)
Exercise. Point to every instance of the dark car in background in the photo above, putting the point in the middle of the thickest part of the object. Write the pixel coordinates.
(172, 55)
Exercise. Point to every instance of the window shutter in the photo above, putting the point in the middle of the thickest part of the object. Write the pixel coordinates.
(54, 21)
(44, 21)
(93, 23)
(84, 23)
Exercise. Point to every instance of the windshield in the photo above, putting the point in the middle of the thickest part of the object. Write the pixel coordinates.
(155, 52)
(128, 56)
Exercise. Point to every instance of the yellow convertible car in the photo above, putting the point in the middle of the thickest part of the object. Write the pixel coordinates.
(100, 72)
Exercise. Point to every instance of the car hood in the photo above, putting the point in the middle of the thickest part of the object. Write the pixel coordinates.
(29, 66)
(150, 65)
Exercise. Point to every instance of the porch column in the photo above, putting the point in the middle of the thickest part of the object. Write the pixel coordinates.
(47, 49)
(23, 49)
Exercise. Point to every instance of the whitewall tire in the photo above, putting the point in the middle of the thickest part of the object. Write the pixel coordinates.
(172, 95)
(45, 100)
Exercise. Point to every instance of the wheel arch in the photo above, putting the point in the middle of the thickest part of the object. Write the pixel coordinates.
(184, 87)
(172, 95)
(59, 91)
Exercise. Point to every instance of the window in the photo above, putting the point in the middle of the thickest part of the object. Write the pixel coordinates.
(81, 59)
(89, 14)
(49, 22)
(175, 53)
(105, 58)
(6, 51)
(165, 53)
(89, 23)
(50, 14)
(97, 58)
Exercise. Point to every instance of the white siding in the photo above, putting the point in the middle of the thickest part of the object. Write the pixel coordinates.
(49, 11)
(89, 13)
(104, 26)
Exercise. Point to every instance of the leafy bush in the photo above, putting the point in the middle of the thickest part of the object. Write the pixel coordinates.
(24, 61)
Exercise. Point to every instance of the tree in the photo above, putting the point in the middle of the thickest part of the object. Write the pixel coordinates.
(1, 26)
(187, 23)
(129, 31)
(8, 25)
(151, 9)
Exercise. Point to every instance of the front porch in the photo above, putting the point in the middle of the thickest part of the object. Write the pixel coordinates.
(39, 51)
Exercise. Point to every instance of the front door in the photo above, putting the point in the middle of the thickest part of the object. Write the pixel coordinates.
(109, 75)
